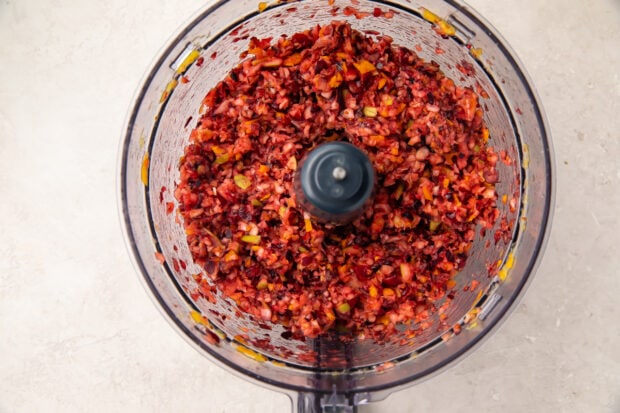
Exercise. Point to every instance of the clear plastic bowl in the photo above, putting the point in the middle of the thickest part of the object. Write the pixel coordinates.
(158, 126)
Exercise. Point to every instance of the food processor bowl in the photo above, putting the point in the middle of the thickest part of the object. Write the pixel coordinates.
(326, 372)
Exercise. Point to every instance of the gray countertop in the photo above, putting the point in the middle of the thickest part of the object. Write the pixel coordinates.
(77, 330)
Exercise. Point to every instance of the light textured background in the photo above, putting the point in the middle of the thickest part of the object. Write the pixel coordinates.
(77, 331)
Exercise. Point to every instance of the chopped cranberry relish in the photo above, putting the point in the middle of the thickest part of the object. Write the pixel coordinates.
(435, 182)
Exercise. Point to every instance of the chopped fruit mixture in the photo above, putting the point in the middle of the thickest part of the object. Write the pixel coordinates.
(426, 139)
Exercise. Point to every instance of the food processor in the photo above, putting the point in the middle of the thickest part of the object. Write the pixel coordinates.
(328, 374)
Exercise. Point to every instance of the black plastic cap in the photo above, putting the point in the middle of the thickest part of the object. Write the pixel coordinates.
(336, 180)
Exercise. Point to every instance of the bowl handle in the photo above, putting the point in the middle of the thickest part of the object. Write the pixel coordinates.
(308, 402)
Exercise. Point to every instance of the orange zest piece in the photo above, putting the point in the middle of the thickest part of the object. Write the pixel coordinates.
(251, 239)
(293, 60)
(144, 171)
(364, 66)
